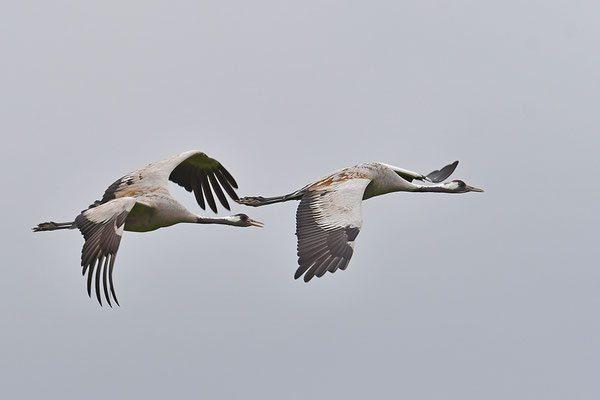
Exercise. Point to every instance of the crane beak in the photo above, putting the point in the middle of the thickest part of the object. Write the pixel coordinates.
(474, 189)
(253, 222)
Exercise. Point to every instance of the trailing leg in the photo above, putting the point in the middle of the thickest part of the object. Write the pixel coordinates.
(263, 201)
(52, 226)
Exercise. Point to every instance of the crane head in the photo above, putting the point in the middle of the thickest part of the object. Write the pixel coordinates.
(244, 220)
(458, 186)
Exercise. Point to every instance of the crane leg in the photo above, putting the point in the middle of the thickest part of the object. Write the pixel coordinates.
(52, 226)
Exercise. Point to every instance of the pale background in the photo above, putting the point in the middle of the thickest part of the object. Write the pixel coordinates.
(475, 296)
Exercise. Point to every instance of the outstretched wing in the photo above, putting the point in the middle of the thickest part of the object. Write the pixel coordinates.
(199, 173)
(441, 175)
(434, 176)
(193, 170)
(102, 227)
(327, 223)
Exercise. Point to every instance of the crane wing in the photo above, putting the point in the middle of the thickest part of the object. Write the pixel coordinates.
(441, 175)
(199, 173)
(102, 227)
(193, 170)
(434, 176)
(327, 223)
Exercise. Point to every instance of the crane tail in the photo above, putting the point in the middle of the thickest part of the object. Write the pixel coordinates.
(52, 226)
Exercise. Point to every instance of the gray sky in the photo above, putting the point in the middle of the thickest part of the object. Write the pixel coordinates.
(469, 296)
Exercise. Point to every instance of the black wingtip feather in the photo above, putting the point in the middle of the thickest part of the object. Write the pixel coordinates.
(104, 273)
(199, 197)
(110, 279)
(98, 273)
(208, 194)
(309, 274)
(441, 175)
(228, 176)
(89, 280)
(226, 185)
(217, 188)
(299, 273)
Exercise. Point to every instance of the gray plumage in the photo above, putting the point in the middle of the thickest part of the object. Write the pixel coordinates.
(328, 218)
(140, 202)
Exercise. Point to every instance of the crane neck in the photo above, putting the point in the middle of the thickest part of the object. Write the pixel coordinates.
(215, 220)
(439, 188)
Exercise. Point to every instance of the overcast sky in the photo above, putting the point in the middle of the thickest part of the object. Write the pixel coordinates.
(474, 296)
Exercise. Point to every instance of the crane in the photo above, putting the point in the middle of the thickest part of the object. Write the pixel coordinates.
(141, 202)
(328, 218)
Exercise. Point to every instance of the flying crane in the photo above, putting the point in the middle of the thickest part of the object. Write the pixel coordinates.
(141, 202)
(329, 218)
